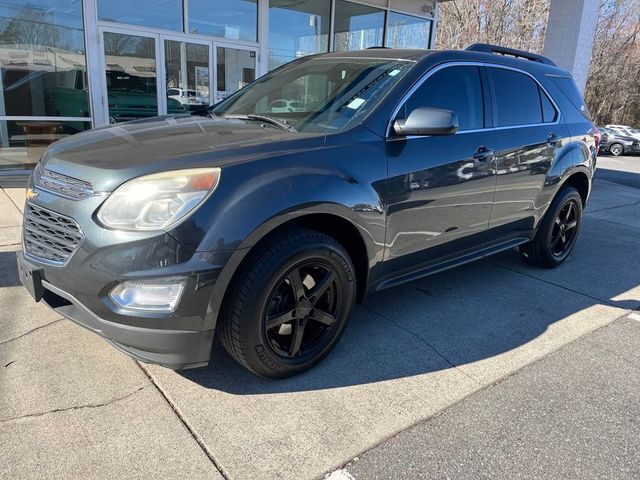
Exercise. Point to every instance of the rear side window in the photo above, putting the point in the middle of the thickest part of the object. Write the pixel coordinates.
(519, 99)
(570, 90)
(458, 89)
(548, 110)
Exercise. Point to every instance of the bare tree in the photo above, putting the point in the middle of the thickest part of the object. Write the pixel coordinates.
(613, 87)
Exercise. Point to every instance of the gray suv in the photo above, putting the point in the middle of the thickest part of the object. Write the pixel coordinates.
(264, 225)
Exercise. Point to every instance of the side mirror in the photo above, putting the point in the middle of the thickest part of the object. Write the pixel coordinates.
(427, 121)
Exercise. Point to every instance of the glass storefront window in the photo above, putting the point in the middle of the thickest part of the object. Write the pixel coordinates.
(235, 69)
(297, 29)
(165, 14)
(42, 58)
(24, 142)
(232, 19)
(357, 26)
(406, 31)
(187, 68)
(130, 76)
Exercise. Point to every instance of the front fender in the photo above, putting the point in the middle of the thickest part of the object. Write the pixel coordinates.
(331, 181)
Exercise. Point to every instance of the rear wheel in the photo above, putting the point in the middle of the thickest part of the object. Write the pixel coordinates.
(616, 149)
(558, 231)
(289, 305)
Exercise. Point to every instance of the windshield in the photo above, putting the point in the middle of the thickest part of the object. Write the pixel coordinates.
(318, 94)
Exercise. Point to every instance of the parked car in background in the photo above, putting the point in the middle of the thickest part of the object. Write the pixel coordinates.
(187, 97)
(265, 228)
(617, 143)
(625, 130)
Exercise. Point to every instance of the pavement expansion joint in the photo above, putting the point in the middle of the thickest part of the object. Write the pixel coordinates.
(184, 422)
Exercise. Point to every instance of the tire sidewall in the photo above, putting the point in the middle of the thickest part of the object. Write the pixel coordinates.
(557, 206)
(257, 305)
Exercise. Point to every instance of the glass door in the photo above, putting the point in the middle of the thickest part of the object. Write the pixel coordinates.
(150, 73)
(131, 74)
(187, 76)
(235, 68)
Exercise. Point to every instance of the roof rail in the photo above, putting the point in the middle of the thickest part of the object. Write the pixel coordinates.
(488, 48)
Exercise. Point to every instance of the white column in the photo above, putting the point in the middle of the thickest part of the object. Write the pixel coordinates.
(570, 33)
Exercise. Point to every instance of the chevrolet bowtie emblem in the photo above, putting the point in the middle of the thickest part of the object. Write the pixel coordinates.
(31, 194)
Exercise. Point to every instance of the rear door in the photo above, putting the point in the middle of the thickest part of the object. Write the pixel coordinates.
(440, 188)
(529, 136)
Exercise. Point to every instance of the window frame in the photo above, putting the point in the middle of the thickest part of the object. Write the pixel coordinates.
(488, 93)
(484, 93)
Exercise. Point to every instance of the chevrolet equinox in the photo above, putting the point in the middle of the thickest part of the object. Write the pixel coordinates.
(266, 224)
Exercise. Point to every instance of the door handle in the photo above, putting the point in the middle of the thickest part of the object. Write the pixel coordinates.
(553, 139)
(484, 155)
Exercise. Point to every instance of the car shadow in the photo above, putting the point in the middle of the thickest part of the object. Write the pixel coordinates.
(452, 319)
(465, 315)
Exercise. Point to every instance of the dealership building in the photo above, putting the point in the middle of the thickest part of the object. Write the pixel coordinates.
(71, 65)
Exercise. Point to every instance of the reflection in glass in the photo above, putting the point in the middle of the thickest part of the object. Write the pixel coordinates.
(187, 67)
(42, 58)
(297, 29)
(165, 14)
(24, 142)
(131, 76)
(235, 68)
(232, 19)
(357, 26)
(406, 31)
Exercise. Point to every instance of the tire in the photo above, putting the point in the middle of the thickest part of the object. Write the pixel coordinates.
(289, 304)
(553, 242)
(616, 149)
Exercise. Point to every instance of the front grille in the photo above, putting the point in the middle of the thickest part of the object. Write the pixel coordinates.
(64, 185)
(49, 236)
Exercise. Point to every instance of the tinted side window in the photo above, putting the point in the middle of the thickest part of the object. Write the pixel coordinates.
(548, 111)
(454, 88)
(517, 98)
(570, 90)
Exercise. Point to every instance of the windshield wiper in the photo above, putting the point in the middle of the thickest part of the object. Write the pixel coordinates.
(267, 119)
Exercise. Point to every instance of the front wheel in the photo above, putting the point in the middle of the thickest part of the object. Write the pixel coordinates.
(616, 149)
(289, 304)
(558, 231)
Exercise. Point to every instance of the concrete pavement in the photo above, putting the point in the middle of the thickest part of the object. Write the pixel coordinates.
(408, 354)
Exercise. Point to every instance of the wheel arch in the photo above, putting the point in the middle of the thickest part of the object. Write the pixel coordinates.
(343, 230)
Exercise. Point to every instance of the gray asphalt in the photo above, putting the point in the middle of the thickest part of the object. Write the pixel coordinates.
(573, 414)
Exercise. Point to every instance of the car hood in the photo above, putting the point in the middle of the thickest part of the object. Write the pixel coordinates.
(109, 156)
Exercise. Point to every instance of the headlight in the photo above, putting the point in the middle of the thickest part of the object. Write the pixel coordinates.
(155, 202)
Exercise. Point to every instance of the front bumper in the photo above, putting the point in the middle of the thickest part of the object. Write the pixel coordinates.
(169, 347)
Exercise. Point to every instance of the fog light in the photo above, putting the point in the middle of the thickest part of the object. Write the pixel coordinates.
(159, 294)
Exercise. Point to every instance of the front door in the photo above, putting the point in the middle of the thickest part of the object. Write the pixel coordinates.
(440, 189)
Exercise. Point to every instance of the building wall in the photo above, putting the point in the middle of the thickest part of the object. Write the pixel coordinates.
(570, 33)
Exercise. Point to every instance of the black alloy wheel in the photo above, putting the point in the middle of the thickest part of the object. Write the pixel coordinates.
(289, 305)
(557, 232)
(565, 230)
(303, 310)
